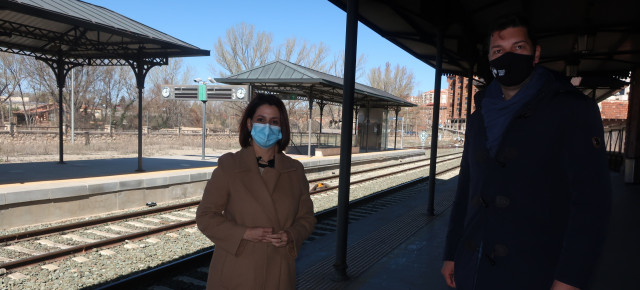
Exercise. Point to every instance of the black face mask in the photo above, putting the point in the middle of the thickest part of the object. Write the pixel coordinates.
(511, 69)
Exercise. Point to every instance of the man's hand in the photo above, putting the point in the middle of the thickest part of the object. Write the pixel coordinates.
(557, 285)
(447, 272)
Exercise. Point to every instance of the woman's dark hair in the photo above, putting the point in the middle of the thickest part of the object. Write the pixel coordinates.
(511, 20)
(257, 101)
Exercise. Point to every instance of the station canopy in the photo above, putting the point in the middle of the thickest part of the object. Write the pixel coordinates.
(80, 33)
(69, 33)
(292, 81)
(598, 42)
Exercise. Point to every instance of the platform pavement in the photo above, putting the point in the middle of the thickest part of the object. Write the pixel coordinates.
(89, 187)
(415, 262)
(20, 173)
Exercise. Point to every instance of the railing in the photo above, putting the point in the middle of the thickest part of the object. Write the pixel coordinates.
(317, 139)
(614, 138)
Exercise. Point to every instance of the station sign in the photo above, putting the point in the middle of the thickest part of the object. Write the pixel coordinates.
(212, 92)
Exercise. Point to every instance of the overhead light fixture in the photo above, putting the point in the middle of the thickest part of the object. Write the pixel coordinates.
(586, 43)
(571, 70)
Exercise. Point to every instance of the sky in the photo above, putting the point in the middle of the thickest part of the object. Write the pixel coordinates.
(202, 22)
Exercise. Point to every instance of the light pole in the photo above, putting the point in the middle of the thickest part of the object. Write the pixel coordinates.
(202, 96)
(73, 133)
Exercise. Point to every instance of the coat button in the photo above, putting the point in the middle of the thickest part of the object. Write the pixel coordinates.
(484, 203)
(470, 245)
(502, 201)
(510, 153)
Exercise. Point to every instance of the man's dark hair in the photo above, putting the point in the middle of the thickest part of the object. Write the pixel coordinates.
(511, 20)
(257, 101)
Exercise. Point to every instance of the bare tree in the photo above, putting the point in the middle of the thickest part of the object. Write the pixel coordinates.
(308, 55)
(169, 113)
(242, 48)
(336, 67)
(398, 81)
(8, 83)
(114, 81)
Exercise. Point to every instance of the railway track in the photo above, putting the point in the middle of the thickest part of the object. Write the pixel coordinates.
(54, 243)
(191, 272)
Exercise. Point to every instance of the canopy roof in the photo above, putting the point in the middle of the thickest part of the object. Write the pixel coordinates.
(83, 33)
(586, 38)
(292, 80)
(69, 33)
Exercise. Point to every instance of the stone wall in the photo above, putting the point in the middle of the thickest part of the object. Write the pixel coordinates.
(27, 137)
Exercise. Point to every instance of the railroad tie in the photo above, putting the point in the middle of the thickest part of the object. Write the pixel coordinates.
(24, 250)
(184, 213)
(153, 220)
(79, 238)
(175, 218)
(121, 229)
(141, 225)
(53, 244)
(101, 233)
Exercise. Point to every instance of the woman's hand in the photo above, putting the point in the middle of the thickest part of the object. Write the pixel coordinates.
(258, 234)
(279, 239)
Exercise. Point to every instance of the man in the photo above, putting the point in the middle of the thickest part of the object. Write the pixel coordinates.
(533, 196)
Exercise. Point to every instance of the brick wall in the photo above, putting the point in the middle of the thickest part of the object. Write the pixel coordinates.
(614, 109)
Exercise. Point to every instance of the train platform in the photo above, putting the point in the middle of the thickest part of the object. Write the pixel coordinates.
(401, 247)
(88, 187)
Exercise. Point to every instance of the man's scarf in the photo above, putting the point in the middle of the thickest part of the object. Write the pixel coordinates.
(498, 113)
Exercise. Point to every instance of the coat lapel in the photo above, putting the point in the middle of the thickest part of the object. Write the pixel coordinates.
(256, 185)
(270, 176)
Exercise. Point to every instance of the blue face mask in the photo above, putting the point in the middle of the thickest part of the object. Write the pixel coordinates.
(265, 135)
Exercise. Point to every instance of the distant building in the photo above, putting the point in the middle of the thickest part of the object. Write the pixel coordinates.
(427, 106)
(614, 109)
(459, 95)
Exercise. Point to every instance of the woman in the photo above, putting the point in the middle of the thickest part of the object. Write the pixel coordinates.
(256, 207)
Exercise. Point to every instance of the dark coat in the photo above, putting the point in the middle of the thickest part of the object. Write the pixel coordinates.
(538, 210)
(237, 197)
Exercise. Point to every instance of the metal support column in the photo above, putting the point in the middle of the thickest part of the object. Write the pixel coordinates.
(60, 69)
(366, 128)
(204, 126)
(434, 125)
(469, 100)
(395, 128)
(140, 68)
(355, 121)
(60, 118)
(340, 265)
(321, 105)
(632, 144)
(310, 121)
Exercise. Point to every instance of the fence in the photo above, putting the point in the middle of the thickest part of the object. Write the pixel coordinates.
(614, 138)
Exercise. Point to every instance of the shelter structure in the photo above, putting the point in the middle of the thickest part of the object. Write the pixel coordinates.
(293, 81)
(597, 44)
(69, 33)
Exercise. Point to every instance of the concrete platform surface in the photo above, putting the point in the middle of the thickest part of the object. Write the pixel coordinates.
(415, 262)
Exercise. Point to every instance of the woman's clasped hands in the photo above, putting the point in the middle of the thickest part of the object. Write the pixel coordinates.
(266, 235)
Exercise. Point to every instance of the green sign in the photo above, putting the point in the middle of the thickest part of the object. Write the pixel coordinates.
(202, 92)
(293, 97)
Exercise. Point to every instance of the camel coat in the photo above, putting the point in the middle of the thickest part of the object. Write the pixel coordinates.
(238, 197)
